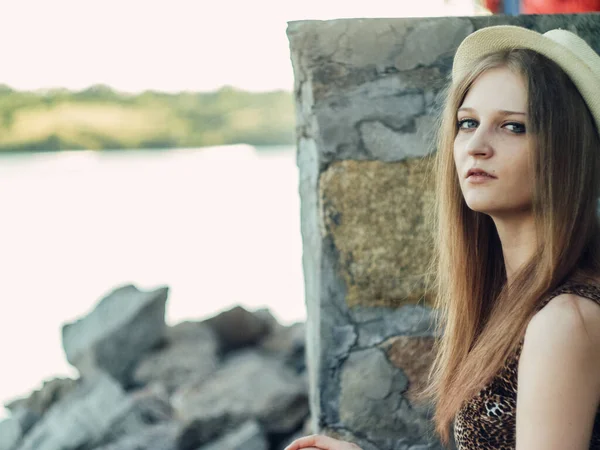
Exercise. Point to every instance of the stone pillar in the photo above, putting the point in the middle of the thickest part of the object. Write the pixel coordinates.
(366, 99)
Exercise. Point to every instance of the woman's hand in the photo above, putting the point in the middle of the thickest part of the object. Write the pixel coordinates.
(320, 442)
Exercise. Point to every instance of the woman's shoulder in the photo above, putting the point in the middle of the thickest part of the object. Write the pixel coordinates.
(572, 308)
(571, 313)
(562, 343)
(559, 366)
(573, 292)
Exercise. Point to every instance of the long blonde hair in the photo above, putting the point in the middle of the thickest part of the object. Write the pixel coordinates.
(482, 318)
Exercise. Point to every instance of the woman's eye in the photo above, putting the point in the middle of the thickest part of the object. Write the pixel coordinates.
(515, 127)
(467, 123)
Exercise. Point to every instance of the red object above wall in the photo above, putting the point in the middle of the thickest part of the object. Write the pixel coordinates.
(547, 6)
(559, 6)
(494, 6)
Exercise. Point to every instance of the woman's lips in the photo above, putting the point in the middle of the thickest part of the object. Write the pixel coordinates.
(479, 178)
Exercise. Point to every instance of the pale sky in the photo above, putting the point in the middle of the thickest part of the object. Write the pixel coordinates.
(171, 45)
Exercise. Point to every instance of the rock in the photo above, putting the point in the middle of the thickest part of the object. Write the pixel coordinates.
(372, 404)
(248, 385)
(282, 445)
(370, 389)
(156, 437)
(29, 410)
(341, 339)
(304, 431)
(188, 330)
(414, 355)
(10, 433)
(146, 407)
(307, 427)
(85, 415)
(190, 353)
(386, 144)
(430, 40)
(40, 400)
(200, 431)
(124, 325)
(249, 436)
(339, 55)
(375, 325)
(237, 328)
(432, 446)
(288, 343)
(339, 121)
(343, 434)
(375, 214)
(265, 315)
(26, 418)
(284, 340)
(152, 404)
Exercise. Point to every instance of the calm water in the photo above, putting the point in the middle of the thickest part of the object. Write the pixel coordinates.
(220, 226)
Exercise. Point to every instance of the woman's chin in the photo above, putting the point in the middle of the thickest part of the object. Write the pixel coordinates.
(481, 206)
(500, 210)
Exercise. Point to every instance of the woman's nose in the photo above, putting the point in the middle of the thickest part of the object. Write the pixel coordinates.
(479, 144)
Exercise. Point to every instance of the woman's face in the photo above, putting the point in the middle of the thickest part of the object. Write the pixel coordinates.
(492, 146)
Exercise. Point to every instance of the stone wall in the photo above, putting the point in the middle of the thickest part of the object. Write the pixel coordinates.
(366, 93)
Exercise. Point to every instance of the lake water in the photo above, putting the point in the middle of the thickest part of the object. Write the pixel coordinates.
(220, 226)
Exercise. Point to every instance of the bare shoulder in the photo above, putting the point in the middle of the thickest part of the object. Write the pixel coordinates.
(568, 318)
(564, 338)
(559, 375)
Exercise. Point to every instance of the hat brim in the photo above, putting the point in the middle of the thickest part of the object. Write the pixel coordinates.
(497, 38)
(506, 37)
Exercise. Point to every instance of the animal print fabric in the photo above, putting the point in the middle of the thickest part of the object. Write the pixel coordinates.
(488, 420)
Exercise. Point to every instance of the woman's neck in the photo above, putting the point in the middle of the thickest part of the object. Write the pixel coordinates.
(519, 241)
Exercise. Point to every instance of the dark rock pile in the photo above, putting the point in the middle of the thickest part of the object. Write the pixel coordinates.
(236, 380)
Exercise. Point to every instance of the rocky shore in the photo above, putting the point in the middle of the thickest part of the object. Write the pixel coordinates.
(236, 380)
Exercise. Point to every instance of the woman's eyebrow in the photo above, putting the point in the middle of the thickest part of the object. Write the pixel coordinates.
(503, 112)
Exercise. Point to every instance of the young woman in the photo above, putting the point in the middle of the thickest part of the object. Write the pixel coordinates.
(518, 246)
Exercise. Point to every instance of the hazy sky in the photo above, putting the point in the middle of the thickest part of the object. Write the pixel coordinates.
(171, 45)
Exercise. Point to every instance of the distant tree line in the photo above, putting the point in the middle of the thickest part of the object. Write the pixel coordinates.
(102, 118)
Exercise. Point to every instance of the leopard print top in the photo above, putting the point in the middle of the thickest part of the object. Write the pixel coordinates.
(488, 420)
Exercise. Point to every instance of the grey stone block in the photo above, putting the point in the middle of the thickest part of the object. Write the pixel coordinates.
(124, 325)
(40, 400)
(26, 418)
(10, 433)
(385, 144)
(288, 343)
(155, 437)
(370, 390)
(431, 39)
(249, 436)
(249, 385)
(375, 325)
(206, 428)
(29, 410)
(341, 340)
(189, 354)
(339, 121)
(84, 416)
(308, 163)
(435, 446)
(238, 328)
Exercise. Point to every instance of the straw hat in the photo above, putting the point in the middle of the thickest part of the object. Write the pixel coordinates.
(580, 62)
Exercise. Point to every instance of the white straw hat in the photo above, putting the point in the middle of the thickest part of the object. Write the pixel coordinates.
(580, 62)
